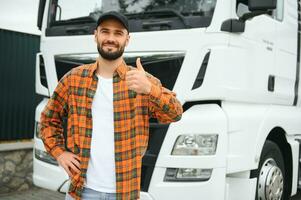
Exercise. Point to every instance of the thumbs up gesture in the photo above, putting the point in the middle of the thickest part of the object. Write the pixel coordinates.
(136, 79)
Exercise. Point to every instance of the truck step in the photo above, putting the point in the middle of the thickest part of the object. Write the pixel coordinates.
(299, 172)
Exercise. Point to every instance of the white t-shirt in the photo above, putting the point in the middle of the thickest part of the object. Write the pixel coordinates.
(101, 168)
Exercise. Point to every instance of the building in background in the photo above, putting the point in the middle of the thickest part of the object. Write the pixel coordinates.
(19, 43)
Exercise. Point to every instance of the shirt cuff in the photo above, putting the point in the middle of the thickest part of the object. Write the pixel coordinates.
(57, 151)
(155, 92)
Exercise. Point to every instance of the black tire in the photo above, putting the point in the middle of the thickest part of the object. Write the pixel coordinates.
(270, 151)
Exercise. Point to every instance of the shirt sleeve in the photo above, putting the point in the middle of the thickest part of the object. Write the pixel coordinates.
(52, 119)
(163, 103)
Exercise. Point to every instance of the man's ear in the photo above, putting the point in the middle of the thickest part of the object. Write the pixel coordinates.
(95, 35)
(127, 40)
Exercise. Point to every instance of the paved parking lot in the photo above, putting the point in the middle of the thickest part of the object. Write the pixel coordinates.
(34, 194)
(297, 197)
(42, 194)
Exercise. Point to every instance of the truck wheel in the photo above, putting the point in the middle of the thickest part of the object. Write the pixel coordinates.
(270, 173)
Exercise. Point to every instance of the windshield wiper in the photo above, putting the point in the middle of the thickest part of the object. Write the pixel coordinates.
(164, 11)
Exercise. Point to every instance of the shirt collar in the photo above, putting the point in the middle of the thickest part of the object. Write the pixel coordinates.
(120, 70)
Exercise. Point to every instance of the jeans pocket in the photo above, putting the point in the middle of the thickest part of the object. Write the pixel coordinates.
(112, 196)
(68, 197)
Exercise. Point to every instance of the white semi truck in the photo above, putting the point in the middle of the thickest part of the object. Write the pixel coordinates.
(235, 66)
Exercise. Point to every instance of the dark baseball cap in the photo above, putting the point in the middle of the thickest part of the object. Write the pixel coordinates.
(113, 15)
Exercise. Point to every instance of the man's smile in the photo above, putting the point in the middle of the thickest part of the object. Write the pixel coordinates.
(110, 45)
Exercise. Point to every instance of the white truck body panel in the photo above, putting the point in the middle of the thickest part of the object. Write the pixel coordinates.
(237, 75)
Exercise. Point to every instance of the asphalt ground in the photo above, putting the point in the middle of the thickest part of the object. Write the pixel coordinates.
(34, 193)
(297, 197)
(43, 194)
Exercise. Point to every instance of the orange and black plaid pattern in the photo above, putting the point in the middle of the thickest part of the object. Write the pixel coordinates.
(73, 98)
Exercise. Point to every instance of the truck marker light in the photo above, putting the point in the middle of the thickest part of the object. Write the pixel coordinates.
(187, 174)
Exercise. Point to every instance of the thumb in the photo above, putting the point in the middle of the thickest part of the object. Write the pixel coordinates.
(139, 65)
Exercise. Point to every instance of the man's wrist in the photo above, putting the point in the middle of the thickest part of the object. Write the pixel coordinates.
(148, 88)
(57, 151)
(155, 92)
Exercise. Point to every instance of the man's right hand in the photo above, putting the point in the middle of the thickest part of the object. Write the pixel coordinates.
(70, 162)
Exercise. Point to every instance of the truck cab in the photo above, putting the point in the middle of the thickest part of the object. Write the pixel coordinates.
(235, 67)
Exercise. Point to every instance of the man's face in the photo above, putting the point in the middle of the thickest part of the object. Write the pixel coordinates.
(111, 38)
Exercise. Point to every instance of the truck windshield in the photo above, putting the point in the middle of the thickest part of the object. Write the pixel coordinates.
(143, 15)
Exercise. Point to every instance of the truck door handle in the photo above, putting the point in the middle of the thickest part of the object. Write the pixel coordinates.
(271, 83)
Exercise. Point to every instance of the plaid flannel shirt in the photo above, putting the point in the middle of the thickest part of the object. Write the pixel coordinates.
(73, 98)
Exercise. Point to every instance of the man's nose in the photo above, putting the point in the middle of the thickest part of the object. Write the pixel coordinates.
(111, 37)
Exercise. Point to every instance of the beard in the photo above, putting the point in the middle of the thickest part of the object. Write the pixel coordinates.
(111, 55)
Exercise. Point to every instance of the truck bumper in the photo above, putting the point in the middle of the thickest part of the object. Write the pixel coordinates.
(49, 176)
(213, 189)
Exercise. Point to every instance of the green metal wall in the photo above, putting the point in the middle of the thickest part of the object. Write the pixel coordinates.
(17, 84)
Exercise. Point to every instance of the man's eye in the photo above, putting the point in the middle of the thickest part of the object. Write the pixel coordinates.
(119, 33)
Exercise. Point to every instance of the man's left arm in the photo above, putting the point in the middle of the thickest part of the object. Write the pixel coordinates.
(163, 103)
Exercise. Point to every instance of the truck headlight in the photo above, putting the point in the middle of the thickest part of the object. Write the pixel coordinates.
(195, 144)
(44, 156)
(187, 174)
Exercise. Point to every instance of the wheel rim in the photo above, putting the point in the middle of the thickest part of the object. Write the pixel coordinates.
(270, 184)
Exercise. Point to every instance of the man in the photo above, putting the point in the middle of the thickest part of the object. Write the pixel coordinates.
(108, 105)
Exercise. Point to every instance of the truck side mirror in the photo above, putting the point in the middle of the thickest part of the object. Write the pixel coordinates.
(233, 26)
(257, 7)
(262, 5)
(41, 13)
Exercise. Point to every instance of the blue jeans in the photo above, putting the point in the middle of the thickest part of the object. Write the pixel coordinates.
(89, 194)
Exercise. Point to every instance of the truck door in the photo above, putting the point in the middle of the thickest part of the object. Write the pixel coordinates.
(286, 50)
(254, 53)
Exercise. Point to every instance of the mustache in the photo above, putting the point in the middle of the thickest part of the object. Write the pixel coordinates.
(110, 43)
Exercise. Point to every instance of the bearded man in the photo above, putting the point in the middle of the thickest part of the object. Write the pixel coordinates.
(108, 105)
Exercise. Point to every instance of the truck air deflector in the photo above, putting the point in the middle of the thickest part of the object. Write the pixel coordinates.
(41, 84)
(43, 78)
(298, 56)
(201, 75)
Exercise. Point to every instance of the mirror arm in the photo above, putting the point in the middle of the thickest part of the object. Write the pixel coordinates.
(252, 14)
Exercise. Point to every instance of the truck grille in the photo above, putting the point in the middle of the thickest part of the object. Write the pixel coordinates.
(163, 65)
(157, 134)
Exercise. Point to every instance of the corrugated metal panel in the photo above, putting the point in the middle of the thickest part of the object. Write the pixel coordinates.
(17, 84)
